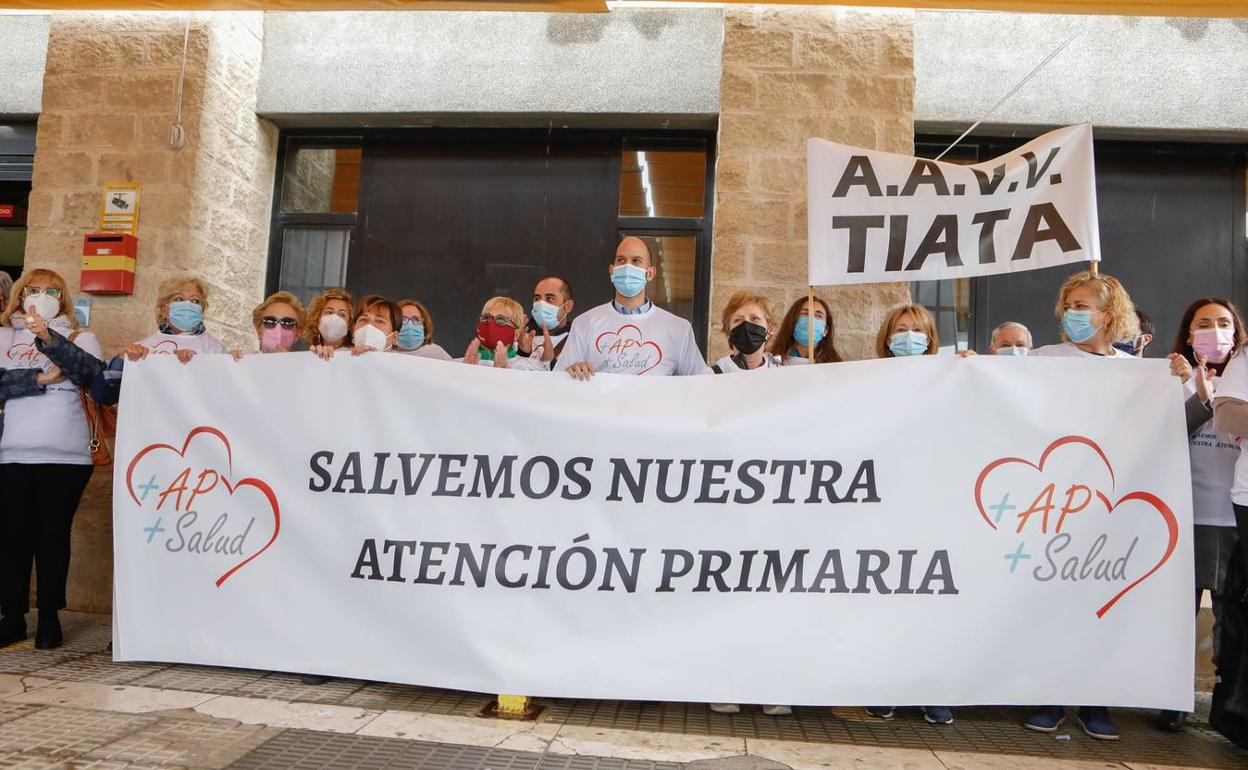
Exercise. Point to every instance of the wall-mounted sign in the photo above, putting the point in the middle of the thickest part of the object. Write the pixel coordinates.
(7, 211)
(119, 208)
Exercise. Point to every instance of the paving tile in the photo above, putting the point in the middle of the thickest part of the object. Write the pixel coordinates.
(288, 687)
(222, 681)
(199, 743)
(66, 732)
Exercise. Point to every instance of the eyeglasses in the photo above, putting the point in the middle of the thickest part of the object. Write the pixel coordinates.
(35, 291)
(272, 322)
(500, 320)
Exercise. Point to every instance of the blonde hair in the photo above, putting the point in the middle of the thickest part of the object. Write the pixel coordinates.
(924, 319)
(424, 317)
(1121, 322)
(740, 300)
(312, 328)
(57, 282)
(171, 287)
(273, 299)
(506, 306)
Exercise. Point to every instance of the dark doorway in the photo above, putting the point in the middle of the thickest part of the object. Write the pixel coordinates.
(1172, 219)
(454, 217)
(17, 151)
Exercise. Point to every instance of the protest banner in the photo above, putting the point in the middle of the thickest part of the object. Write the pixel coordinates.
(926, 530)
(876, 216)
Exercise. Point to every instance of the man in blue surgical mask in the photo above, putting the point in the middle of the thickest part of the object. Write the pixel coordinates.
(630, 334)
(544, 336)
(1010, 339)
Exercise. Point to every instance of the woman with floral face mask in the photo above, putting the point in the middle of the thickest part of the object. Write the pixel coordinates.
(328, 326)
(45, 459)
(180, 305)
(498, 325)
(803, 323)
(1211, 333)
(416, 333)
(909, 330)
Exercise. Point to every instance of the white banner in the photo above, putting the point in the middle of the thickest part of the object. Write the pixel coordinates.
(875, 216)
(928, 530)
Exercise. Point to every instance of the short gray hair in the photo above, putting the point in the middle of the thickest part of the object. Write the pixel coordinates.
(1010, 325)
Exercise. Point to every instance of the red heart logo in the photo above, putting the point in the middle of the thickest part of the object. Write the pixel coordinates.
(267, 491)
(201, 430)
(627, 339)
(1172, 529)
(23, 351)
(164, 346)
(1059, 443)
(1167, 515)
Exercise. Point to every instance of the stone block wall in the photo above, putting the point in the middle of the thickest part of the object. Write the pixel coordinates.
(108, 103)
(790, 73)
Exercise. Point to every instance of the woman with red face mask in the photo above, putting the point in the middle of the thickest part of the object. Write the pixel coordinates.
(495, 343)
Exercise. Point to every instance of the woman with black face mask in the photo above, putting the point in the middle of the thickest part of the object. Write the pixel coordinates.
(747, 324)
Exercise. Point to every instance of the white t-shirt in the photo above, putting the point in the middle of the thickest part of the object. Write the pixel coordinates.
(50, 428)
(428, 350)
(728, 366)
(653, 342)
(539, 345)
(1070, 350)
(1214, 455)
(166, 344)
(1234, 384)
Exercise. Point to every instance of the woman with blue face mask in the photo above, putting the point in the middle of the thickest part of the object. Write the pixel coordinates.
(803, 324)
(909, 330)
(180, 305)
(416, 333)
(1094, 312)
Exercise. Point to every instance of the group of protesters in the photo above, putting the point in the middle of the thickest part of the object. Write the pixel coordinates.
(49, 363)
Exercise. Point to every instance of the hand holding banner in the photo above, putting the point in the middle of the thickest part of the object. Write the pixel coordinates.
(875, 216)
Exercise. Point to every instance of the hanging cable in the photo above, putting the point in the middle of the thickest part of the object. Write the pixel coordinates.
(1015, 89)
(177, 136)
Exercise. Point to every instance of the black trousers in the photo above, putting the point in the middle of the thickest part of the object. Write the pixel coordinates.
(1241, 524)
(37, 512)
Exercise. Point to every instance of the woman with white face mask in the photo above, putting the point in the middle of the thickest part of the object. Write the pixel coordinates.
(377, 323)
(1211, 333)
(329, 322)
(45, 459)
(180, 305)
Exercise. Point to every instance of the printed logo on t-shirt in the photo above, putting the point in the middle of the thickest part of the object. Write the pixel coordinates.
(23, 351)
(627, 351)
(164, 347)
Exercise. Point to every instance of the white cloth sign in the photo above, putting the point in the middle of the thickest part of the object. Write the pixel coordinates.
(875, 216)
(927, 530)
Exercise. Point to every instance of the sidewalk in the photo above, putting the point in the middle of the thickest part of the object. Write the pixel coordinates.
(75, 708)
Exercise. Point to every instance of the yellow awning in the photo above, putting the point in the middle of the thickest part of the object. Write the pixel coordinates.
(1212, 8)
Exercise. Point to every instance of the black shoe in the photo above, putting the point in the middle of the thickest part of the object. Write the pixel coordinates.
(12, 630)
(313, 679)
(48, 634)
(1171, 721)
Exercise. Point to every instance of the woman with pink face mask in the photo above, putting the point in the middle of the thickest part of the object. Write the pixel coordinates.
(1211, 333)
(277, 320)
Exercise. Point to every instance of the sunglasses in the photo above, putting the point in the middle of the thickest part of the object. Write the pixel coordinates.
(272, 322)
(500, 320)
(35, 291)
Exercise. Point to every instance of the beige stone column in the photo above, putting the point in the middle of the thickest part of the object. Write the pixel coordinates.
(790, 73)
(108, 103)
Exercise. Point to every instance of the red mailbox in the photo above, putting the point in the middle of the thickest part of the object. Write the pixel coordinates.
(108, 263)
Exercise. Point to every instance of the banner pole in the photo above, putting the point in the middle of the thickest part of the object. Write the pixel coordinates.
(1094, 268)
(810, 308)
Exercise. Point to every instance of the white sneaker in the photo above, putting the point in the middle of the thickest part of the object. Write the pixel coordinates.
(726, 708)
(777, 711)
